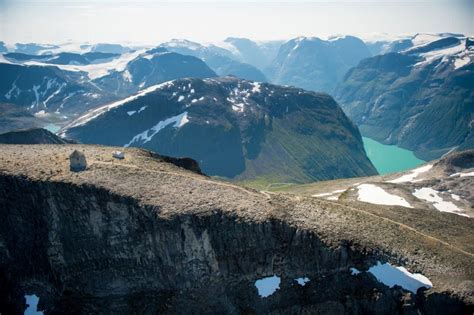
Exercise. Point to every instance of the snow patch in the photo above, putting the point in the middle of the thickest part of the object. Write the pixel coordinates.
(302, 281)
(41, 113)
(455, 197)
(329, 193)
(267, 286)
(461, 62)
(103, 109)
(376, 195)
(412, 175)
(32, 302)
(430, 195)
(127, 76)
(239, 107)
(392, 275)
(145, 136)
(256, 87)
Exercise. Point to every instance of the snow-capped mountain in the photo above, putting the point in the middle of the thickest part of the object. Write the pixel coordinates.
(315, 64)
(64, 88)
(234, 128)
(152, 67)
(63, 58)
(421, 98)
(47, 89)
(220, 60)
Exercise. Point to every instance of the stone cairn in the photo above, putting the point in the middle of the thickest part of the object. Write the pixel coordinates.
(77, 161)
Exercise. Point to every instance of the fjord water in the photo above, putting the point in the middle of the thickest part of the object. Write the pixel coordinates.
(389, 158)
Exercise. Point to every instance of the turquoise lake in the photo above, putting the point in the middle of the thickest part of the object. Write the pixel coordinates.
(389, 158)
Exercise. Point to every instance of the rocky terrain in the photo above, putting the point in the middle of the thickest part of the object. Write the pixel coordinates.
(445, 185)
(421, 98)
(234, 128)
(141, 235)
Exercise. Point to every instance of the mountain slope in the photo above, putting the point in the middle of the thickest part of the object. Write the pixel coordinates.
(234, 128)
(222, 61)
(421, 99)
(315, 64)
(258, 54)
(31, 136)
(153, 67)
(47, 88)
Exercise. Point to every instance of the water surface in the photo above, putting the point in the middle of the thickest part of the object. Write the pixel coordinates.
(389, 158)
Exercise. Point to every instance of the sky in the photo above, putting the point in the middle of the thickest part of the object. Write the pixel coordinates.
(149, 22)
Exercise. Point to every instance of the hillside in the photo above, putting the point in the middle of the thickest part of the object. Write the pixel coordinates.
(31, 136)
(237, 129)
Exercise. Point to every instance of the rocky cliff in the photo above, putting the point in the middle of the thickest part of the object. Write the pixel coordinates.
(144, 236)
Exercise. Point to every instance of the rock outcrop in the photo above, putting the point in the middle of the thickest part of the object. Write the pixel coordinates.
(145, 236)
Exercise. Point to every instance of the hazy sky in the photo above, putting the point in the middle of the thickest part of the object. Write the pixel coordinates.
(156, 21)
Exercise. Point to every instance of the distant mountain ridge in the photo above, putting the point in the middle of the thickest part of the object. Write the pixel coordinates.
(31, 136)
(315, 64)
(221, 60)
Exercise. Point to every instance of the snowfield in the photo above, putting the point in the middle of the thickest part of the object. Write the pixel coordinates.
(430, 195)
(413, 175)
(373, 194)
(267, 286)
(178, 121)
(392, 275)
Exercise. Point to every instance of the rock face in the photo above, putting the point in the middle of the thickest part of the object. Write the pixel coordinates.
(234, 128)
(32, 136)
(421, 99)
(144, 236)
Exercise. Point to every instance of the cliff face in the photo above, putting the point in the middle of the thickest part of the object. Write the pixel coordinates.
(143, 236)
